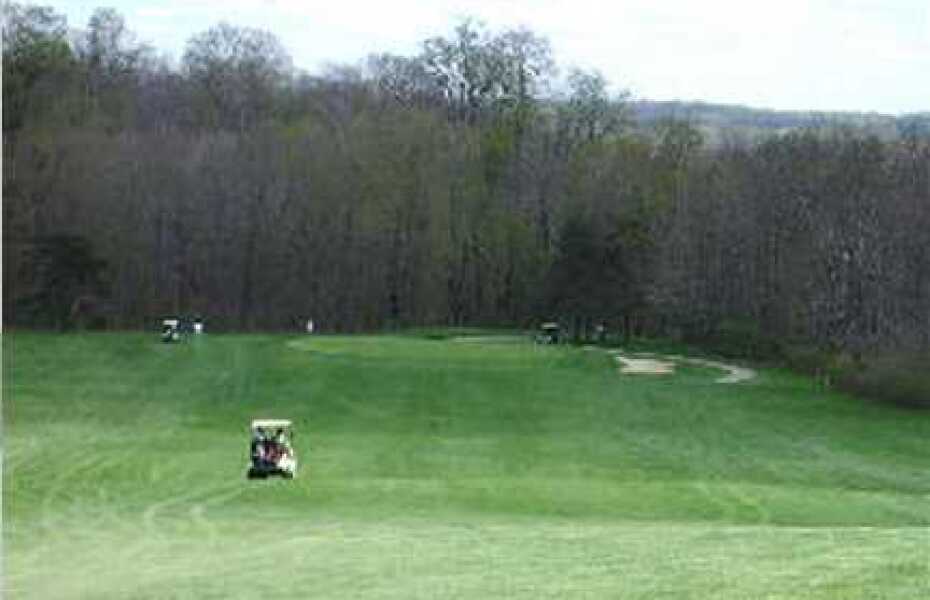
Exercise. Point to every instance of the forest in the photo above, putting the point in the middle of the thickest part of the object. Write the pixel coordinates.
(720, 120)
(471, 183)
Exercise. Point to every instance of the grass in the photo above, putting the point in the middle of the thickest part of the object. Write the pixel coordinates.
(899, 379)
(445, 469)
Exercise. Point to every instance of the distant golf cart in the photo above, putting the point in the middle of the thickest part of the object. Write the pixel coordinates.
(271, 450)
(174, 329)
(171, 330)
(548, 333)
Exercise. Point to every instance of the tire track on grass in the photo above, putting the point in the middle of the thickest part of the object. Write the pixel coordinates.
(140, 557)
(153, 511)
(65, 479)
(198, 512)
(49, 522)
(749, 501)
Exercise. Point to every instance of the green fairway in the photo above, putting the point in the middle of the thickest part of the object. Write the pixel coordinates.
(445, 469)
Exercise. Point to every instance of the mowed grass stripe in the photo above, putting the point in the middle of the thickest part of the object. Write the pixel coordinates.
(523, 559)
(446, 469)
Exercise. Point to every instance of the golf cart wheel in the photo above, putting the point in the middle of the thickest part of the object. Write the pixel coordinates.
(287, 475)
(255, 474)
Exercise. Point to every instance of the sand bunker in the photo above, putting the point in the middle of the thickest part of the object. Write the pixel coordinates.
(645, 366)
(734, 374)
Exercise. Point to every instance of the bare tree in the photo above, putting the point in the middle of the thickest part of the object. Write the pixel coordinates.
(239, 71)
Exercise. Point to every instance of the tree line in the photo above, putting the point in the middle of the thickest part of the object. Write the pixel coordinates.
(469, 183)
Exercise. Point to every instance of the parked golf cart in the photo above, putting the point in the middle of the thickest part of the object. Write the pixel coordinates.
(178, 328)
(548, 333)
(271, 449)
(170, 330)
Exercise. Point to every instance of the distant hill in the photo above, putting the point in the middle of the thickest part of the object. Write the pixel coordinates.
(717, 119)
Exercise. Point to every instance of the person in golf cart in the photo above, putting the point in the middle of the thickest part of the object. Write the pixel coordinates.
(278, 447)
(258, 446)
(281, 441)
(272, 454)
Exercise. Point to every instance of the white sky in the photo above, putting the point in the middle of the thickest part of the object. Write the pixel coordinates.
(865, 55)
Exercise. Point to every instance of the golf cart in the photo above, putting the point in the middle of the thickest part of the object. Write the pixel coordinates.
(170, 330)
(271, 450)
(178, 328)
(548, 333)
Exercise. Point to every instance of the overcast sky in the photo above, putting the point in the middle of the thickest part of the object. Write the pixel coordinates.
(865, 55)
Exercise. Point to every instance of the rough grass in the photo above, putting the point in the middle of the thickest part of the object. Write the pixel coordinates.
(900, 379)
(440, 469)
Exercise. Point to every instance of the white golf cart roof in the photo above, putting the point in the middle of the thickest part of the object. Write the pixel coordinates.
(271, 423)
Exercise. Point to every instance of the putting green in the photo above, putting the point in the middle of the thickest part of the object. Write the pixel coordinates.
(445, 469)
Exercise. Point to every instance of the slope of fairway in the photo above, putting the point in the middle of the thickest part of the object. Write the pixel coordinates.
(441, 469)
